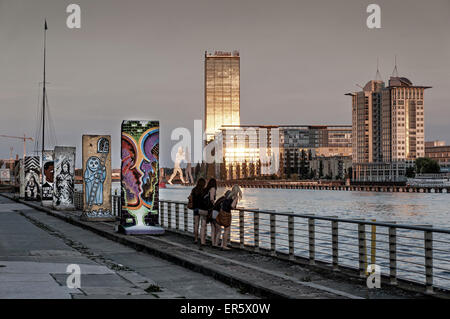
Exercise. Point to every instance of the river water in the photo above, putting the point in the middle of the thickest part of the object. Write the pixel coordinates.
(410, 208)
(403, 208)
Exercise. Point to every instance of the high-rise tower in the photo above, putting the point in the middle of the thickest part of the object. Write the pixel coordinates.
(222, 91)
(388, 132)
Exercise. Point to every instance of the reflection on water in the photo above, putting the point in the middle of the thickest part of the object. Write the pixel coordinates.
(404, 208)
(410, 208)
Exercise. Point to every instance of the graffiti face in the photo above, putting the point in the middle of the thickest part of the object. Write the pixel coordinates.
(32, 191)
(140, 154)
(63, 186)
(65, 167)
(131, 175)
(93, 163)
(49, 171)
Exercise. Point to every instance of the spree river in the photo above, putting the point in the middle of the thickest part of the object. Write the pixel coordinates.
(402, 208)
(409, 208)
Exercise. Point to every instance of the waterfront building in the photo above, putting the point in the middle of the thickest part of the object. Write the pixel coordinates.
(438, 151)
(222, 91)
(257, 147)
(249, 151)
(330, 167)
(314, 141)
(388, 129)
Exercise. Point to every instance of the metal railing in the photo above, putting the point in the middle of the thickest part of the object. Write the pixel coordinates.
(409, 253)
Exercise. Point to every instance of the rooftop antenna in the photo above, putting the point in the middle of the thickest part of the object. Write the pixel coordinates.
(378, 74)
(395, 72)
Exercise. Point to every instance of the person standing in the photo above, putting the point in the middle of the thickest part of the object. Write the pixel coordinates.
(189, 178)
(206, 206)
(196, 197)
(224, 217)
(216, 229)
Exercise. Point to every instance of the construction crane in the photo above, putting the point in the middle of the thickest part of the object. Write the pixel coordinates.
(24, 138)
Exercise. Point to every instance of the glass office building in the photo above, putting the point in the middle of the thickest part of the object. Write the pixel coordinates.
(222, 91)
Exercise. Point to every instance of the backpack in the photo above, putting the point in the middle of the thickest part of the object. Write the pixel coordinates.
(218, 204)
(206, 203)
(226, 204)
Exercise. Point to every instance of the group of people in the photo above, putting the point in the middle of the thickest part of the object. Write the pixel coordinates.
(216, 212)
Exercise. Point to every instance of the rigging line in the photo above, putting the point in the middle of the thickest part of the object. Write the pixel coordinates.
(38, 117)
(51, 123)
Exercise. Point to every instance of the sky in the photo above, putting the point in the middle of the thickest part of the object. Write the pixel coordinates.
(144, 59)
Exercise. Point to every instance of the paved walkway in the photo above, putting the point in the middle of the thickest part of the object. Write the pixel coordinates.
(36, 248)
(250, 272)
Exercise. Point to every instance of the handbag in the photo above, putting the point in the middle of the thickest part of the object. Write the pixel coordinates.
(224, 218)
(190, 204)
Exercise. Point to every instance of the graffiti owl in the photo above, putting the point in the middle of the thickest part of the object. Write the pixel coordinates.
(94, 175)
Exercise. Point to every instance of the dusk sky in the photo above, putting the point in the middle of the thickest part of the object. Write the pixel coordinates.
(143, 59)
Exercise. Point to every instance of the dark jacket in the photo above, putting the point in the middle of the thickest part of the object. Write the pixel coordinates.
(196, 198)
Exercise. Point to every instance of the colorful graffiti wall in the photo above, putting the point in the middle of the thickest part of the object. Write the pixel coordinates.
(139, 174)
(63, 181)
(47, 178)
(97, 177)
(32, 178)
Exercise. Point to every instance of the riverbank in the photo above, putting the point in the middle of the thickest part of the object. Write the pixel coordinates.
(335, 186)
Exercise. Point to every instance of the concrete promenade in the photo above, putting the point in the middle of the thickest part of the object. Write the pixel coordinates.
(172, 262)
(36, 248)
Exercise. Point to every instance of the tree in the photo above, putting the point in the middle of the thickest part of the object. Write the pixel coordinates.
(350, 172)
(282, 172)
(425, 165)
(223, 170)
(295, 171)
(258, 168)
(303, 168)
(410, 172)
(238, 171)
(252, 169)
(320, 169)
(288, 164)
(244, 170)
(230, 170)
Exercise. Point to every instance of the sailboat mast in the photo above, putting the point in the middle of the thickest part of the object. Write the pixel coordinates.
(44, 91)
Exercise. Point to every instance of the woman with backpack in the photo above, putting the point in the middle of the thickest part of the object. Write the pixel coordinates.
(206, 206)
(194, 203)
(216, 229)
(224, 217)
